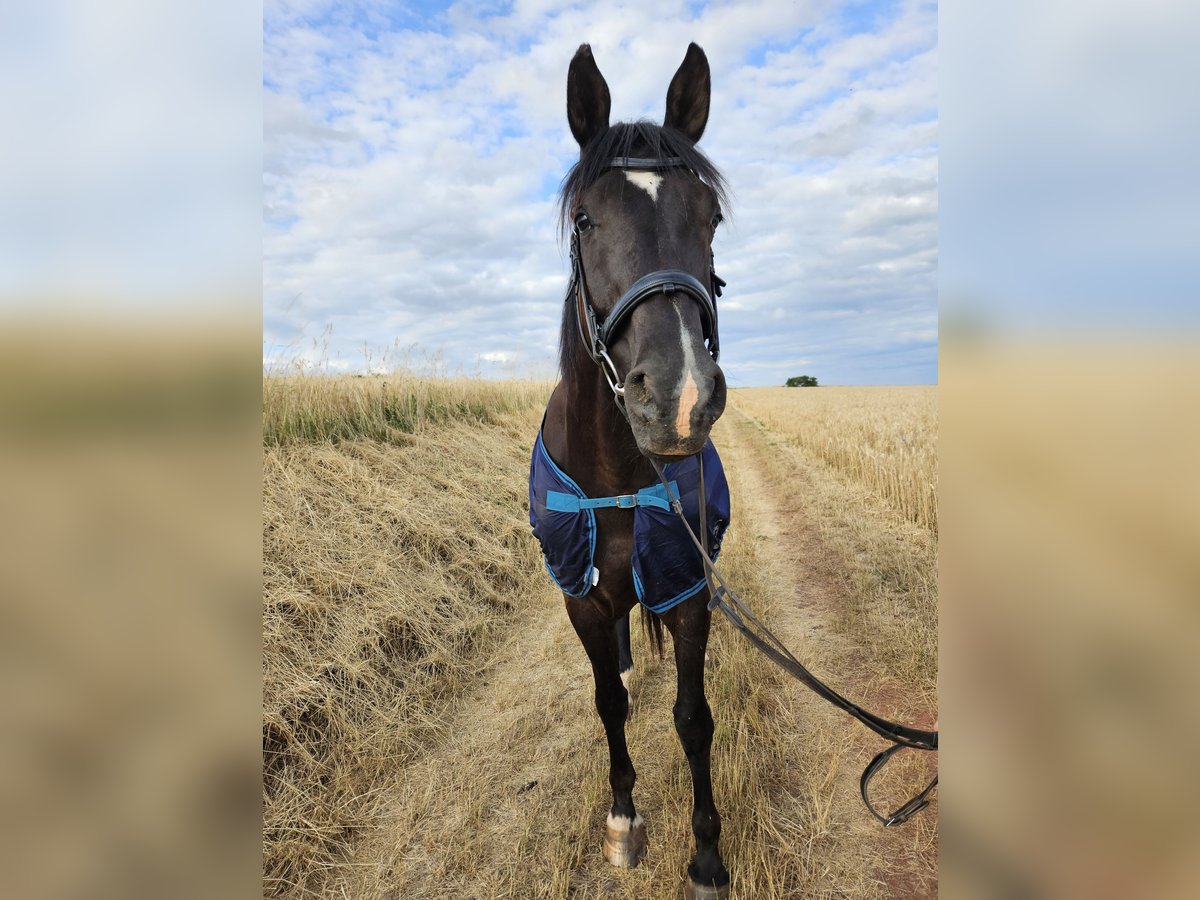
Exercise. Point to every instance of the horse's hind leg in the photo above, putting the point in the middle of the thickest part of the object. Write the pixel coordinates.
(707, 875)
(624, 654)
(624, 651)
(625, 837)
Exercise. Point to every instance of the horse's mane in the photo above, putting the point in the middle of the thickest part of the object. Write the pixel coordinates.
(644, 139)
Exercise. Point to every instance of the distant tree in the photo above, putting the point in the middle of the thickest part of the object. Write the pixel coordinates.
(801, 381)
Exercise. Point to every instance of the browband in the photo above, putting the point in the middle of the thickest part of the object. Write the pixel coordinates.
(638, 162)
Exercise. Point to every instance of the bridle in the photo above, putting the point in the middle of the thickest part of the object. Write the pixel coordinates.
(598, 335)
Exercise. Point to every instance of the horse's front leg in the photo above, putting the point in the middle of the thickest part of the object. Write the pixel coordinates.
(707, 875)
(625, 835)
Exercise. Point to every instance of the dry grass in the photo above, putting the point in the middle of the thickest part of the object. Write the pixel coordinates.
(379, 605)
(315, 408)
(882, 438)
(828, 447)
(420, 671)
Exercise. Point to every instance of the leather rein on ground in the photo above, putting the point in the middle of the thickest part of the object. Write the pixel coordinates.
(598, 334)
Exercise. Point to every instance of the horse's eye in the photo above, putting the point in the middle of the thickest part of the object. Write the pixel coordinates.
(716, 220)
(582, 223)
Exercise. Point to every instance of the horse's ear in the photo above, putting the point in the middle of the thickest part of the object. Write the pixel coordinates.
(588, 102)
(687, 97)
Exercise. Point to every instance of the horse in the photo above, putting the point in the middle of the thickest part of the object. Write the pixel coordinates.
(639, 382)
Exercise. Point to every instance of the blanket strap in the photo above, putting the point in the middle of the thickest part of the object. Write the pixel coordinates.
(654, 496)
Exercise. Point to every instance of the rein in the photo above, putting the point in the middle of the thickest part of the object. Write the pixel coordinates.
(598, 335)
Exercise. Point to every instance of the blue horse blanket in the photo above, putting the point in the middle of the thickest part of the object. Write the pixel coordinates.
(666, 565)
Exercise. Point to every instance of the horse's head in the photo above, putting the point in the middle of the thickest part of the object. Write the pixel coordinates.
(642, 203)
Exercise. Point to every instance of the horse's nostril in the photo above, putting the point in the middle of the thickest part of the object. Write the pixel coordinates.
(636, 381)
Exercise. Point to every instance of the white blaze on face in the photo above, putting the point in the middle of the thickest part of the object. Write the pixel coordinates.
(689, 392)
(647, 181)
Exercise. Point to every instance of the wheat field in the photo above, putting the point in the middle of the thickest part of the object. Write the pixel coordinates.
(883, 438)
(428, 728)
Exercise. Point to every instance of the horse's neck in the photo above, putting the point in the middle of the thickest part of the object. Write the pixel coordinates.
(590, 440)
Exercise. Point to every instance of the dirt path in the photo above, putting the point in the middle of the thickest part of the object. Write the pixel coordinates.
(511, 802)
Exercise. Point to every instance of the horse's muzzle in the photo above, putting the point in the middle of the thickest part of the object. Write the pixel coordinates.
(671, 424)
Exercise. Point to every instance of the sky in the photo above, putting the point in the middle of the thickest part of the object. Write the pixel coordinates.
(413, 153)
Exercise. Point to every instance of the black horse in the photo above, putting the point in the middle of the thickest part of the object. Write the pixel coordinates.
(639, 328)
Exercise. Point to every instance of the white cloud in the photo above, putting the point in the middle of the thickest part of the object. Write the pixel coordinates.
(407, 178)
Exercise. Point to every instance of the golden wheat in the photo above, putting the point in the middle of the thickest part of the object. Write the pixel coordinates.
(884, 438)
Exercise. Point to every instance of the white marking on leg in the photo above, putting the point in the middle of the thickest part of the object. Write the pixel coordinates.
(623, 823)
(626, 676)
(647, 181)
(689, 392)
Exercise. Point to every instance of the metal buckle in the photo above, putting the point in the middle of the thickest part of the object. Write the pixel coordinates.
(903, 814)
(614, 380)
(626, 501)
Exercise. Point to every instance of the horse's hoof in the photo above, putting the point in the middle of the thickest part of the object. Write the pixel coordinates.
(694, 891)
(625, 841)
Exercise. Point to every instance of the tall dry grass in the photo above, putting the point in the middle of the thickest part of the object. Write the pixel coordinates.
(390, 570)
(320, 407)
(883, 438)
